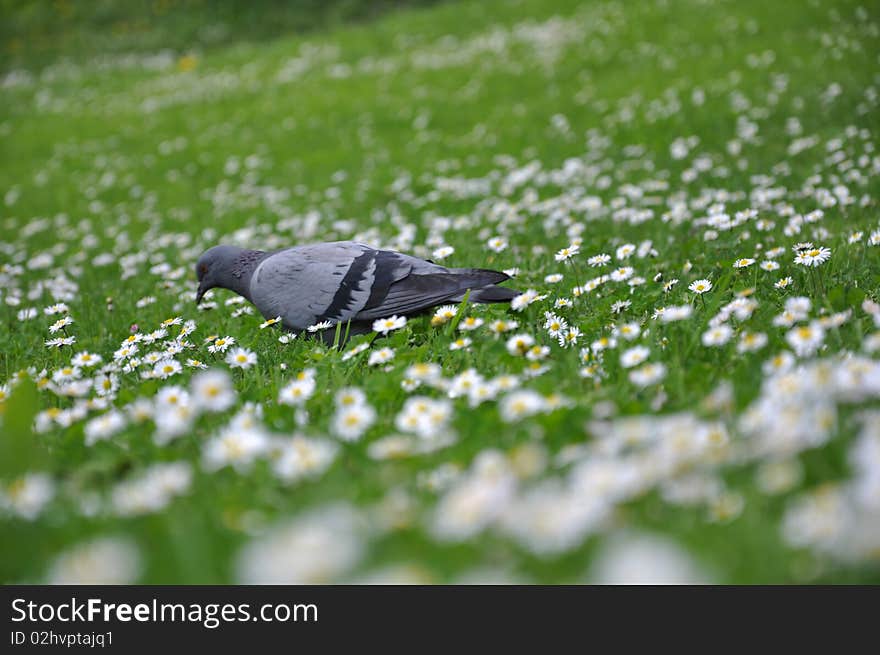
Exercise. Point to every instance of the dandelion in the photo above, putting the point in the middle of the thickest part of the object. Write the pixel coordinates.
(241, 358)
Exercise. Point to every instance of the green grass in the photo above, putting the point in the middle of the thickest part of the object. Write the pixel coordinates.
(367, 131)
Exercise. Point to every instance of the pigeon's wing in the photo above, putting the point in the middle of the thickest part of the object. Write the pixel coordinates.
(426, 288)
(328, 281)
(344, 281)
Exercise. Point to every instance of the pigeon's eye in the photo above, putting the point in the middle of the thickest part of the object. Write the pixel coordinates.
(203, 268)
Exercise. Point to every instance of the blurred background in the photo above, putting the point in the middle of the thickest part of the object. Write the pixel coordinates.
(37, 32)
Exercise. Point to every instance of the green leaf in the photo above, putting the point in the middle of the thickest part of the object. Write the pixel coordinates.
(837, 297)
(19, 450)
(855, 297)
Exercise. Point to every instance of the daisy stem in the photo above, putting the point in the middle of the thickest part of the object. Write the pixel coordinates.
(577, 271)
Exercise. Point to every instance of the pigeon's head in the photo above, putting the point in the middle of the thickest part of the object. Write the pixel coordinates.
(213, 268)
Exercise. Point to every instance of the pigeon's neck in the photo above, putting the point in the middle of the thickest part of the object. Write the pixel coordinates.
(238, 276)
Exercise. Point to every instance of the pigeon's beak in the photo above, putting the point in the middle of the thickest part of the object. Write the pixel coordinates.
(199, 294)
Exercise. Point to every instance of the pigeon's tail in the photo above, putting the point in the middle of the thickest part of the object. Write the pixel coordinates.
(482, 285)
(492, 293)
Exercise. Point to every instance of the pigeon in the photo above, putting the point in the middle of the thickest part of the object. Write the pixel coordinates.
(342, 282)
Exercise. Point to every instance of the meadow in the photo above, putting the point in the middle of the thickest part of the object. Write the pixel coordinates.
(684, 191)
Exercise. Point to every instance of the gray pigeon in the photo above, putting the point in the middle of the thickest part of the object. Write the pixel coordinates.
(340, 282)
